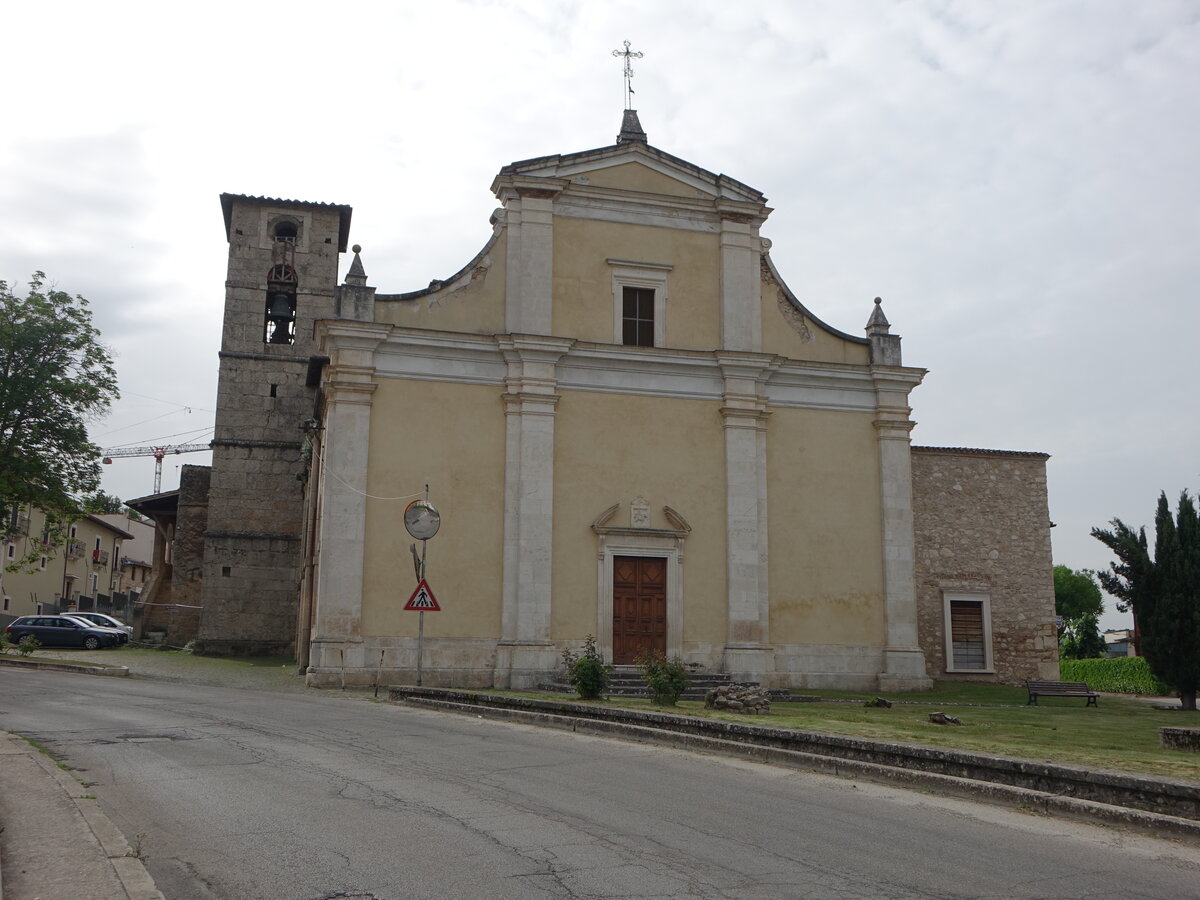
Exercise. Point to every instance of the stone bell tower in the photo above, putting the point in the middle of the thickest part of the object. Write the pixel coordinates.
(282, 276)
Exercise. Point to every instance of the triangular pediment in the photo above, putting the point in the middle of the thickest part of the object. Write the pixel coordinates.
(637, 176)
(635, 166)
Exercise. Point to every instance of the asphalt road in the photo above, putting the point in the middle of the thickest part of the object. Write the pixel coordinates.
(254, 795)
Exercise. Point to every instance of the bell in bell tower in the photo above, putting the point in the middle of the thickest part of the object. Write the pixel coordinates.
(279, 325)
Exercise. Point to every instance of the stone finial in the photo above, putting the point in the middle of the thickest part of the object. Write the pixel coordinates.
(356, 273)
(878, 323)
(631, 129)
(354, 299)
(885, 346)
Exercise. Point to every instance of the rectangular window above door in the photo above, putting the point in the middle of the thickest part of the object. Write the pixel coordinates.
(639, 302)
(637, 317)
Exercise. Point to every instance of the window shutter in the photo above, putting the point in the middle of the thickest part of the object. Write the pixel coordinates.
(966, 627)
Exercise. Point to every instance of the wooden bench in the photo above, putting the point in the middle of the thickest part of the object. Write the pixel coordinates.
(1060, 689)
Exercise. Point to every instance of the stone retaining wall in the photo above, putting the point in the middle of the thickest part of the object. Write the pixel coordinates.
(1180, 739)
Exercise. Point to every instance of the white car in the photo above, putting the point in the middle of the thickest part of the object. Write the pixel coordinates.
(103, 621)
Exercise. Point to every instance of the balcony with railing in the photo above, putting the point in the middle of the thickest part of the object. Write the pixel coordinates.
(74, 549)
(100, 557)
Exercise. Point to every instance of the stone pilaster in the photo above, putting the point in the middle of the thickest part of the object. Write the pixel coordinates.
(904, 661)
(348, 390)
(525, 651)
(529, 217)
(748, 655)
(741, 252)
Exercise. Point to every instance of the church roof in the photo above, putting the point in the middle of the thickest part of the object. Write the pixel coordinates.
(632, 146)
(978, 451)
(344, 212)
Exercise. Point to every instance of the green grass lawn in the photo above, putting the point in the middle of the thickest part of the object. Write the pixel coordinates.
(1122, 734)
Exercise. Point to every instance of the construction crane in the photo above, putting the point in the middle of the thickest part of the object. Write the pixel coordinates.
(157, 452)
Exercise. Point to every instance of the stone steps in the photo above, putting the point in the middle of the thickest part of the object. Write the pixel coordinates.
(627, 681)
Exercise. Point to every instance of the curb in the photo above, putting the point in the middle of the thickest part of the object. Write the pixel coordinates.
(130, 871)
(1033, 800)
(58, 666)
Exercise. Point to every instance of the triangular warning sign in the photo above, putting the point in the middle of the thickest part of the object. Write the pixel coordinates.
(422, 599)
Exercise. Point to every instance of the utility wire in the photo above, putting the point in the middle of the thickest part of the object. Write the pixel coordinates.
(347, 484)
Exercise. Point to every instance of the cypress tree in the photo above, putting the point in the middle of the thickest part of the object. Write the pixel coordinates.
(1164, 592)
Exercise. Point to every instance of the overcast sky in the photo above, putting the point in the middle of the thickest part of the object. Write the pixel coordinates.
(1020, 182)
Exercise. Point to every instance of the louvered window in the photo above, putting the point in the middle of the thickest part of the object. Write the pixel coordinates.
(968, 633)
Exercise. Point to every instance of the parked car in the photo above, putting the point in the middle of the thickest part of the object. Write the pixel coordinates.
(102, 620)
(61, 631)
(85, 619)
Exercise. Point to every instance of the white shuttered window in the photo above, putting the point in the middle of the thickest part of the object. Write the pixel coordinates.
(968, 632)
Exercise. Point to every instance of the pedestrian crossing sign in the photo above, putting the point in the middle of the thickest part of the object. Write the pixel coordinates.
(422, 599)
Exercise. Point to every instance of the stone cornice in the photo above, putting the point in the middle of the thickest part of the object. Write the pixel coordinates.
(741, 212)
(897, 378)
(764, 379)
(532, 347)
(739, 364)
(577, 166)
(349, 392)
(515, 187)
(265, 445)
(743, 417)
(529, 403)
(344, 334)
(262, 357)
(896, 429)
(625, 531)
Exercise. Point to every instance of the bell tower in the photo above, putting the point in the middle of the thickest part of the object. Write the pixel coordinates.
(282, 277)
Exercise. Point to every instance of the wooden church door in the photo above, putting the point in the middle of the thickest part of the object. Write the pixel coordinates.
(639, 607)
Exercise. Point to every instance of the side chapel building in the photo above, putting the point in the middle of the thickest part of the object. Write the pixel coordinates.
(632, 429)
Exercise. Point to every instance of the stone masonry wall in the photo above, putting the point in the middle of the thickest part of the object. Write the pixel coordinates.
(982, 524)
(256, 501)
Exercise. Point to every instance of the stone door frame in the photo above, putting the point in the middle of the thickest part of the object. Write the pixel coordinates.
(664, 543)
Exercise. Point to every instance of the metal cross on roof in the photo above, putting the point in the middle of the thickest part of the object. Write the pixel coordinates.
(628, 54)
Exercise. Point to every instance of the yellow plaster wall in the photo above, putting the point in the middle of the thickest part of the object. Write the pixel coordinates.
(474, 304)
(26, 589)
(781, 336)
(583, 287)
(611, 448)
(826, 545)
(461, 457)
(634, 176)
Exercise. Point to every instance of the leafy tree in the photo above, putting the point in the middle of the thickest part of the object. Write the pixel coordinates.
(1076, 593)
(55, 377)
(1078, 600)
(1163, 591)
(101, 504)
(1081, 638)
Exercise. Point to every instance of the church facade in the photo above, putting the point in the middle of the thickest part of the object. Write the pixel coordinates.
(632, 429)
